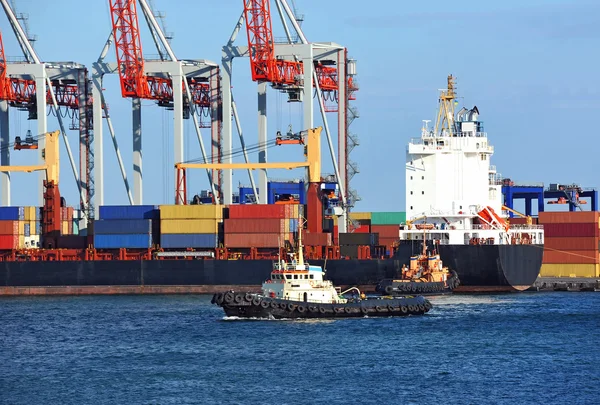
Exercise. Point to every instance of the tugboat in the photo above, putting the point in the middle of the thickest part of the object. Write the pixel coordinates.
(298, 290)
(426, 275)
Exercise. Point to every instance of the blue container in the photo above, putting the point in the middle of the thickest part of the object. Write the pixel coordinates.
(38, 214)
(123, 241)
(129, 212)
(12, 213)
(122, 226)
(293, 225)
(27, 230)
(191, 240)
(38, 227)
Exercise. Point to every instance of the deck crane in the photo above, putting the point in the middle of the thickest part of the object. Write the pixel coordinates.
(136, 84)
(528, 219)
(51, 212)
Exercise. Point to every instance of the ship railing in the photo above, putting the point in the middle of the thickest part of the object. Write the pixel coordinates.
(526, 227)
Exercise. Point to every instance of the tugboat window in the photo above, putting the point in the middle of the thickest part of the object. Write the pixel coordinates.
(288, 276)
(312, 276)
(295, 277)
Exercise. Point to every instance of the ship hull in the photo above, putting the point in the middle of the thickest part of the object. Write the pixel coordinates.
(247, 305)
(487, 268)
(480, 268)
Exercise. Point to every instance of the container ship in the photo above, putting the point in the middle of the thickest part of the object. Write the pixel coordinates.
(454, 205)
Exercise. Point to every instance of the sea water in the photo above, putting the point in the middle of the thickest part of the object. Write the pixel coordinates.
(529, 348)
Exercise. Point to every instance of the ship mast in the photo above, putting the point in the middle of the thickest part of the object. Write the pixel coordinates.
(444, 124)
(300, 249)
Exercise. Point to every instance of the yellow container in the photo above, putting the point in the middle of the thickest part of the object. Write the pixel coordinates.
(21, 227)
(32, 227)
(189, 226)
(569, 270)
(65, 227)
(360, 215)
(286, 226)
(21, 241)
(207, 211)
(29, 213)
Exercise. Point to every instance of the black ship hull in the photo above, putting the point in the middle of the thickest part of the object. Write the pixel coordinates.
(246, 305)
(486, 267)
(479, 268)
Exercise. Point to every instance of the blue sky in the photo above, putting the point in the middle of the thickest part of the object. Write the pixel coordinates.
(529, 66)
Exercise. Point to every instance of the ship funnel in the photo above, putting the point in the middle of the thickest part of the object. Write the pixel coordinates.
(474, 114)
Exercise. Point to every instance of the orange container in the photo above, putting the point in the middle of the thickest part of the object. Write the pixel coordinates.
(571, 257)
(578, 217)
(9, 227)
(572, 243)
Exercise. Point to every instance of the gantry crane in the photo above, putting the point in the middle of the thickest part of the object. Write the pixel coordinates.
(297, 67)
(183, 86)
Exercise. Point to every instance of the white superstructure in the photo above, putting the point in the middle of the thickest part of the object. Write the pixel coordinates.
(452, 188)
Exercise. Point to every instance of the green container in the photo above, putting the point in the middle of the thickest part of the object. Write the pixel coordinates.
(388, 218)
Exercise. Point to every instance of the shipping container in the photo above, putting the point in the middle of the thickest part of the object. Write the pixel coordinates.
(276, 211)
(32, 242)
(189, 226)
(123, 226)
(38, 214)
(574, 257)
(30, 213)
(328, 225)
(137, 241)
(71, 242)
(577, 217)
(349, 251)
(32, 227)
(387, 241)
(522, 221)
(250, 225)
(38, 227)
(293, 225)
(316, 239)
(76, 226)
(26, 229)
(364, 239)
(12, 213)
(22, 227)
(64, 227)
(129, 212)
(9, 227)
(362, 229)
(258, 240)
(570, 270)
(388, 218)
(360, 215)
(21, 244)
(572, 230)
(190, 240)
(386, 231)
(206, 211)
(572, 243)
(9, 242)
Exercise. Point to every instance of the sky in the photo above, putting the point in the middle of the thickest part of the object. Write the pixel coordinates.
(529, 66)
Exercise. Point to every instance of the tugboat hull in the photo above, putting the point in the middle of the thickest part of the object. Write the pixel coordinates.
(248, 305)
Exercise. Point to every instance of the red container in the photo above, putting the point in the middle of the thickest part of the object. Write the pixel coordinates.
(70, 214)
(316, 239)
(335, 235)
(571, 257)
(386, 231)
(257, 211)
(573, 230)
(387, 241)
(9, 227)
(258, 240)
(573, 243)
(264, 225)
(362, 229)
(578, 217)
(9, 242)
(522, 221)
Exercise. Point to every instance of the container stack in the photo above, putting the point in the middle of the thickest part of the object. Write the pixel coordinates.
(66, 220)
(363, 219)
(571, 244)
(387, 225)
(126, 226)
(190, 226)
(261, 226)
(19, 228)
(349, 243)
